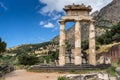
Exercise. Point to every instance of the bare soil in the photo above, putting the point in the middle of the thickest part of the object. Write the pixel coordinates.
(24, 75)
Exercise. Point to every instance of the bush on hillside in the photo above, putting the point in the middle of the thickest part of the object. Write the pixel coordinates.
(111, 70)
(112, 35)
(52, 55)
(28, 59)
(61, 78)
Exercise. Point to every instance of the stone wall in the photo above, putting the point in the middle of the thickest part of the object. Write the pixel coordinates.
(113, 53)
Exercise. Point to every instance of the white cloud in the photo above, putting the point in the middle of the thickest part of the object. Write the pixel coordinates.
(49, 25)
(3, 6)
(57, 5)
(42, 22)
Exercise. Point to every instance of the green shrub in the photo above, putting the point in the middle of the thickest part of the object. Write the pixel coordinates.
(27, 59)
(72, 71)
(118, 62)
(85, 45)
(111, 70)
(61, 78)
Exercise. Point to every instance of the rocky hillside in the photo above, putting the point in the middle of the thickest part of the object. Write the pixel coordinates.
(34, 48)
(108, 15)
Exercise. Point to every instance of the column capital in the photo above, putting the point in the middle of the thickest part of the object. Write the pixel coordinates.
(61, 21)
(92, 21)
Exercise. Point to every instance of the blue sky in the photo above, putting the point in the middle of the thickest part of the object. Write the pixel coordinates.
(34, 21)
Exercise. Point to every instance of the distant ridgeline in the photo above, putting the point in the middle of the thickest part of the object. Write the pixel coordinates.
(33, 48)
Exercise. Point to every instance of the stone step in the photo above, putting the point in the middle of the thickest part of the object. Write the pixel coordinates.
(68, 67)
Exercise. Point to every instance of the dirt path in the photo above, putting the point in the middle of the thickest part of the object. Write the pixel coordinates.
(24, 75)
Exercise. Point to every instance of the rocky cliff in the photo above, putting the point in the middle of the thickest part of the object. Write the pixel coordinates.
(108, 15)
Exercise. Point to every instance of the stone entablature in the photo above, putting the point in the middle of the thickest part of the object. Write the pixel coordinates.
(79, 18)
(72, 10)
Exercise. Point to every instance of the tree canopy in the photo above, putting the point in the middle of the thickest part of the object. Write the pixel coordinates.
(2, 46)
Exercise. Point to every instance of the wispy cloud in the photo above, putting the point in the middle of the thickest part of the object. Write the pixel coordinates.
(57, 5)
(3, 6)
(49, 25)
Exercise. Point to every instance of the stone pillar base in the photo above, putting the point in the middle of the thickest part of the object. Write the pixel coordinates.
(77, 56)
(92, 56)
(61, 60)
(78, 60)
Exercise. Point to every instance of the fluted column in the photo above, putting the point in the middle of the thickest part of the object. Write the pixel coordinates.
(92, 54)
(77, 51)
(62, 44)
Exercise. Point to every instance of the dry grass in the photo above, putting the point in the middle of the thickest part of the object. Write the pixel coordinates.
(105, 48)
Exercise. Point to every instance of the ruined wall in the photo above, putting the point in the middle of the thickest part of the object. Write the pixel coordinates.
(113, 53)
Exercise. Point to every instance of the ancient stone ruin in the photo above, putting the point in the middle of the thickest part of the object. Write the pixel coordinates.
(77, 14)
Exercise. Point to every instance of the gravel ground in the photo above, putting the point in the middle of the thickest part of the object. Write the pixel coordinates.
(24, 75)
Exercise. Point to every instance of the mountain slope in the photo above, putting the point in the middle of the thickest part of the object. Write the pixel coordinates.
(108, 15)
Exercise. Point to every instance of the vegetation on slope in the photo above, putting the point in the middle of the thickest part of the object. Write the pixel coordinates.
(30, 48)
(112, 35)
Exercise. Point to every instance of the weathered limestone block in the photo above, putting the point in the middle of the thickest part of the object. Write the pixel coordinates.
(103, 76)
(74, 77)
(101, 60)
(118, 73)
(107, 60)
(91, 76)
(77, 56)
(104, 60)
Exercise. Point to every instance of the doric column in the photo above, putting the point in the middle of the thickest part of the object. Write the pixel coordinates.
(62, 44)
(92, 54)
(77, 50)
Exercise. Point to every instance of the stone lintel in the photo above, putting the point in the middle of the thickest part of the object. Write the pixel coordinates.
(92, 21)
(74, 18)
(61, 22)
